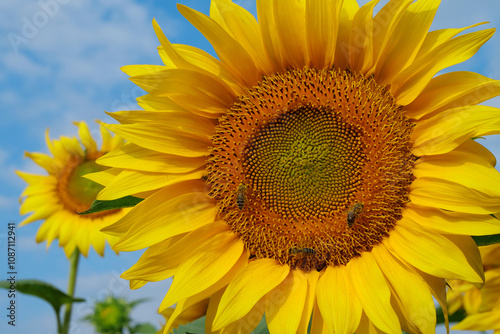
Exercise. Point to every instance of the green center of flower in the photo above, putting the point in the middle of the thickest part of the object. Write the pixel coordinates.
(77, 192)
(312, 167)
(305, 162)
(82, 190)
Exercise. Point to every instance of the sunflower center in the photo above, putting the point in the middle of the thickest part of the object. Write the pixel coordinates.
(304, 163)
(76, 192)
(312, 167)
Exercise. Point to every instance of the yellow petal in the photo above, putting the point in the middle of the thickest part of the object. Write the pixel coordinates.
(48, 163)
(367, 327)
(437, 286)
(212, 65)
(292, 37)
(37, 202)
(448, 129)
(442, 194)
(131, 156)
(318, 325)
(269, 33)
(86, 138)
(432, 253)
(176, 59)
(144, 116)
(461, 166)
(373, 292)
(437, 37)
(227, 48)
(454, 89)
(132, 182)
(412, 81)
(342, 50)
(206, 265)
(188, 314)
(361, 39)
(337, 300)
(244, 28)
(312, 280)
(161, 260)
(177, 209)
(406, 39)
(104, 177)
(244, 325)
(452, 222)
(161, 138)
(322, 19)
(109, 142)
(284, 305)
(189, 88)
(480, 321)
(417, 306)
(136, 70)
(384, 24)
(253, 282)
(220, 284)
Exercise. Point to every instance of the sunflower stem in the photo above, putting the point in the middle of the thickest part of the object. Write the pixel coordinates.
(75, 257)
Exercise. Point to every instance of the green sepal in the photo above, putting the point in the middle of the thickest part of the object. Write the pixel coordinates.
(120, 203)
(485, 240)
(43, 290)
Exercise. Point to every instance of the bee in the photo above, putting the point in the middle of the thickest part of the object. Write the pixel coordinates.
(241, 197)
(302, 251)
(353, 212)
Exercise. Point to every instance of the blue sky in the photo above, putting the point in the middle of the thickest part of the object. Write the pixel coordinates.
(60, 62)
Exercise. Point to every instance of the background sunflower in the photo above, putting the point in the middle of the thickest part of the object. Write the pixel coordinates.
(59, 197)
(49, 77)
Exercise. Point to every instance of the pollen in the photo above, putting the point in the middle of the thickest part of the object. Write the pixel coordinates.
(324, 158)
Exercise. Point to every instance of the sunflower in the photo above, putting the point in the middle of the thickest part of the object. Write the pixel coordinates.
(481, 305)
(59, 196)
(315, 172)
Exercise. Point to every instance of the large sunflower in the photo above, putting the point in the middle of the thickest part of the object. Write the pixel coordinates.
(316, 171)
(58, 196)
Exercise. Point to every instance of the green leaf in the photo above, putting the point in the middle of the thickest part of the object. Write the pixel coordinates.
(145, 328)
(485, 240)
(124, 202)
(45, 291)
(458, 316)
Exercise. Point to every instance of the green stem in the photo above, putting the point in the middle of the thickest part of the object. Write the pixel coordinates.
(71, 289)
(59, 325)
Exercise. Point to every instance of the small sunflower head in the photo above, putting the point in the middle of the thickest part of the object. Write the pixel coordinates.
(59, 196)
(111, 315)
